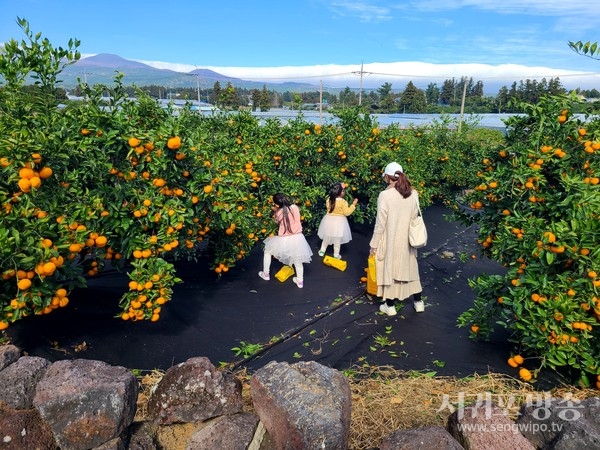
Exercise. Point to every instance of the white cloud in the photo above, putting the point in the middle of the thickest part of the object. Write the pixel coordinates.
(362, 10)
(397, 73)
(177, 67)
(579, 8)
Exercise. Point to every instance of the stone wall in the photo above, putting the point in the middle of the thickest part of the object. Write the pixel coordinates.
(85, 404)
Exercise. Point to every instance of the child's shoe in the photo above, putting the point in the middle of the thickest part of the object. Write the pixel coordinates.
(321, 253)
(337, 256)
(298, 282)
(264, 275)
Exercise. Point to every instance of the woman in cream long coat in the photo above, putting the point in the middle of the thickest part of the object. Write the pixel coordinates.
(396, 264)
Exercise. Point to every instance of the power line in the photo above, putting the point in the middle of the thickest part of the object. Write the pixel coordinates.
(304, 76)
(491, 78)
(497, 77)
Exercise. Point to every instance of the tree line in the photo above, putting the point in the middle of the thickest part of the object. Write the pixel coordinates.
(444, 98)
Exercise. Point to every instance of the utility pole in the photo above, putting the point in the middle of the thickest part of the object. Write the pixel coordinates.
(360, 89)
(362, 72)
(320, 100)
(462, 104)
(198, 85)
(198, 88)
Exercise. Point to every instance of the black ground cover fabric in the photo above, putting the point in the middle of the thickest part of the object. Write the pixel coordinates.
(331, 320)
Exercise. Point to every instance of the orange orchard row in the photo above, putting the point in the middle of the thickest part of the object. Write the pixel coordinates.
(142, 202)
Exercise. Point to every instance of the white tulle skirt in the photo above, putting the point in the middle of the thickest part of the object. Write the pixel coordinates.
(334, 230)
(289, 249)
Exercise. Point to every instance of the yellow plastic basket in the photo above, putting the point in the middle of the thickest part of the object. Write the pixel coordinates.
(371, 277)
(336, 263)
(284, 273)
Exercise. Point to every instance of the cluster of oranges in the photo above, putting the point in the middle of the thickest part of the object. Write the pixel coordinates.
(516, 361)
(146, 300)
(563, 116)
(593, 276)
(538, 298)
(29, 178)
(221, 268)
(256, 178)
(25, 293)
(591, 146)
(561, 338)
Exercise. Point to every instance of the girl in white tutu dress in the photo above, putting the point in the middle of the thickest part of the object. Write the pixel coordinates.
(290, 247)
(334, 228)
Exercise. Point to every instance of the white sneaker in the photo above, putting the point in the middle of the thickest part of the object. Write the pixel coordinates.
(298, 282)
(389, 310)
(419, 306)
(265, 276)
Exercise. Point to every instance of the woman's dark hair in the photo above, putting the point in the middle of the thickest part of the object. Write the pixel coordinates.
(284, 203)
(402, 184)
(336, 191)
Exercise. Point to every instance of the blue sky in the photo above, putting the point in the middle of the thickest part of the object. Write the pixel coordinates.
(329, 39)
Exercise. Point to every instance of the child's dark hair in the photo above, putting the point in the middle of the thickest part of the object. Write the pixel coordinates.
(284, 203)
(336, 191)
(402, 184)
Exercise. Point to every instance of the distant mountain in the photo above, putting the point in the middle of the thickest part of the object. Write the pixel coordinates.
(102, 68)
(108, 60)
(211, 75)
(207, 73)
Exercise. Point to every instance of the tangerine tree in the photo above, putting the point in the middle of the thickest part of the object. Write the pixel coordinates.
(537, 205)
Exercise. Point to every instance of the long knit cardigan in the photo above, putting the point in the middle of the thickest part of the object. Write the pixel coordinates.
(395, 259)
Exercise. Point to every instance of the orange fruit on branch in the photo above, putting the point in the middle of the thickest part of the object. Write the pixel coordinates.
(24, 184)
(24, 284)
(36, 182)
(525, 374)
(133, 142)
(45, 172)
(174, 143)
(75, 247)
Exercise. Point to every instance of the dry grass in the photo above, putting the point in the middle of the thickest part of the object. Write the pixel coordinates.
(147, 385)
(385, 399)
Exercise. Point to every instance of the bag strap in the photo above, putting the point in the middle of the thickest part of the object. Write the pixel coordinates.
(417, 202)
